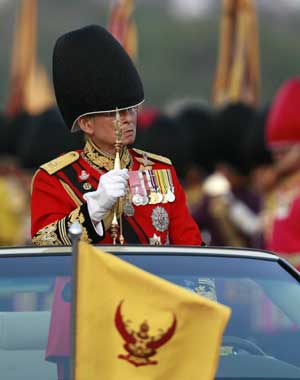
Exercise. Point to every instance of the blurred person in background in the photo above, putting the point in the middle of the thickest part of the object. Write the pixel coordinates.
(45, 137)
(282, 207)
(228, 212)
(259, 156)
(186, 134)
(195, 121)
(26, 142)
(14, 189)
(168, 143)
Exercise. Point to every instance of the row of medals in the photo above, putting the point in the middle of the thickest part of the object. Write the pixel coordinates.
(157, 194)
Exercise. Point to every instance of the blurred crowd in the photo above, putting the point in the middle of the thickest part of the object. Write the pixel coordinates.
(230, 160)
(26, 142)
(240, 167)
(217, 154)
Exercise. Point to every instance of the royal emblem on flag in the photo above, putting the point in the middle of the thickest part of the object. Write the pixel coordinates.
(141, 345)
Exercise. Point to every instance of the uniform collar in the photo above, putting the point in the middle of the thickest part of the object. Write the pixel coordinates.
(103, 160)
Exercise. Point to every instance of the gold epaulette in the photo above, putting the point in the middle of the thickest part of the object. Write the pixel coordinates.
(153, 156)
(60, 162)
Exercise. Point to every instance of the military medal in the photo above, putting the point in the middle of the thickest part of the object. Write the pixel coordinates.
(137, 199)
(160, 196)
(163, 184)
(147, 187)
(170, 196)
(128, 209)
(152, 194)
(138, 190)
(160, 219)
(170, 192)
(144, 196)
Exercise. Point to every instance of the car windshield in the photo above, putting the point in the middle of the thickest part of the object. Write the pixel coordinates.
(261, 341)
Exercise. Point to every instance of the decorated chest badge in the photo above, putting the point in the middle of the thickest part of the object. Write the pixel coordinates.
(160, 219)
(151, 186)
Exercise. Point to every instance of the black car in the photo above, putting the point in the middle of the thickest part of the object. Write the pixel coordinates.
(262, 338)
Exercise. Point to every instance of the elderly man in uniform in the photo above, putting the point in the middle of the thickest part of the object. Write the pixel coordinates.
(97, 86)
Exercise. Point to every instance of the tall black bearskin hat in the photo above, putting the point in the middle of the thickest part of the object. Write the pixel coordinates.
(254, 147)
(45, 138)
(92, 73)
(196, 120)
(231, 126)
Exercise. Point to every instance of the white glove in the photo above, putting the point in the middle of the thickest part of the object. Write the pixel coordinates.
(112, 185)
(243, 217)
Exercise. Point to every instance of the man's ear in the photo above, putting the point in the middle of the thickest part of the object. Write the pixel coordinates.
(86, 125)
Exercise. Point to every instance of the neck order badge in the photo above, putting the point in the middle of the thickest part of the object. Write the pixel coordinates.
(133, 325)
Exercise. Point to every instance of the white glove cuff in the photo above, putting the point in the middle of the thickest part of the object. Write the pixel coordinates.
(95, 212)
(99, 229)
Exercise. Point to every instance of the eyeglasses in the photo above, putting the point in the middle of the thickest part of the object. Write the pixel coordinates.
(131, 110)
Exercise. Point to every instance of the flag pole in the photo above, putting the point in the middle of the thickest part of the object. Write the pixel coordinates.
(75, 232)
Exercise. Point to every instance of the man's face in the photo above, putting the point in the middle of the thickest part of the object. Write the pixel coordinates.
(287, 159)
(101, 128)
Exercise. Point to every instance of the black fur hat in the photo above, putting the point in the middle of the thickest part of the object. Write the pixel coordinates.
(232, 123)
(45, 138)
(92, 73)
(254, 147)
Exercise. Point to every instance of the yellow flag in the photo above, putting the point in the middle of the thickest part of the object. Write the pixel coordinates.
(38, 93)
(132, 325)
(122, 26)
(29, 88)
(23, 54)
(237, 75)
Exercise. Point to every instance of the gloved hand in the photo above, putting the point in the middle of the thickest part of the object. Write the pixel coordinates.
(112, 185)
(243, 217)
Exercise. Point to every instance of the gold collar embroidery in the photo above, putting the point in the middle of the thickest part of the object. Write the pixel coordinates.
(102, 160)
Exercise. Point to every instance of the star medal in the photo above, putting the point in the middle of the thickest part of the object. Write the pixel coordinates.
(160, 219)
(155, 240)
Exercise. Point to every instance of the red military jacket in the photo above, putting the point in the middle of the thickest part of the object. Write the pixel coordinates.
(281, 216)
(57, 201)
